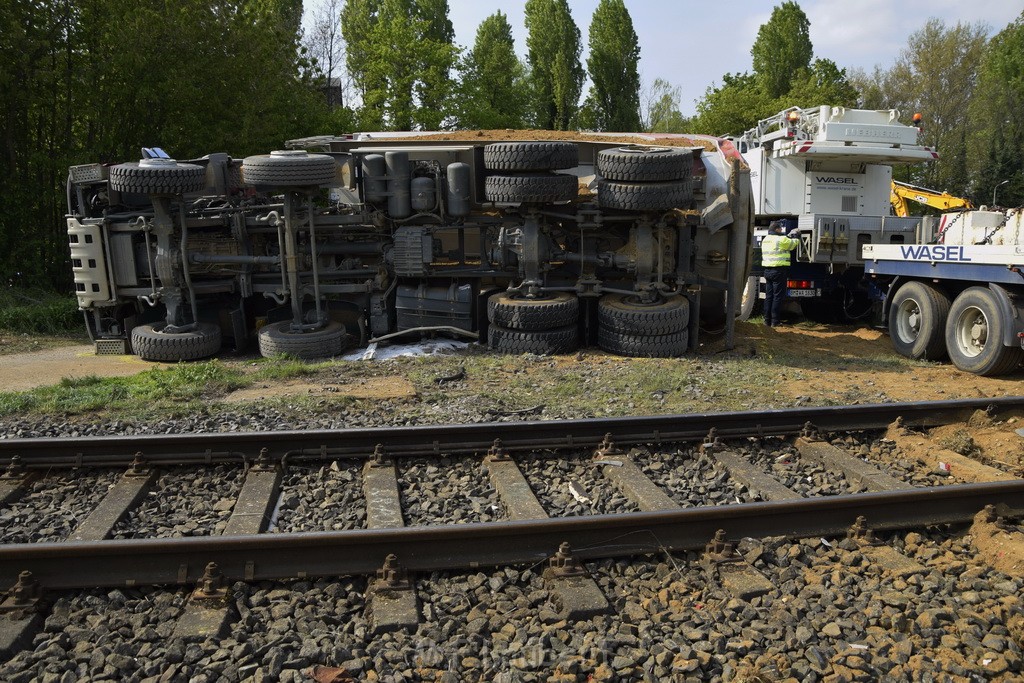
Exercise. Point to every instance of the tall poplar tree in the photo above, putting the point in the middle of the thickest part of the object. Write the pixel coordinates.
(553, 54)
(494, 89)
(614, 97)
(783, 47)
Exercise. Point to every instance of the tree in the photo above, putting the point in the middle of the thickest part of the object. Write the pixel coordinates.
(553, 54)
(782, 48)
(937, 62)
(822, 83)
(737, 105)
(437, 55)
(494, 90)
(662, 107)
(400, 55)
(327, 50)
(612, 65)
(997, 119)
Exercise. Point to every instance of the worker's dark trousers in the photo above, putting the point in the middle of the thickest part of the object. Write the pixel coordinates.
(774, 293)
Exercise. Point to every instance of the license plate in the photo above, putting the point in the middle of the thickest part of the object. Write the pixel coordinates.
(794, 293)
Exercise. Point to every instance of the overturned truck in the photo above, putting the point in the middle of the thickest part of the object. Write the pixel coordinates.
(540, 245)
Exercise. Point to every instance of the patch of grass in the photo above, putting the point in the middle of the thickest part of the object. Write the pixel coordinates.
(160, 391)
(28, 311)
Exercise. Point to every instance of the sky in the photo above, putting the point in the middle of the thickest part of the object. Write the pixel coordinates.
(692, 44)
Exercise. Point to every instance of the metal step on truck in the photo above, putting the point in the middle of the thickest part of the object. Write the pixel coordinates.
(827, 171)
(630, 242)
(959, 293)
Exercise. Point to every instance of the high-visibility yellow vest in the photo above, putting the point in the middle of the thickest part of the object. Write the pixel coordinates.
(775, 250)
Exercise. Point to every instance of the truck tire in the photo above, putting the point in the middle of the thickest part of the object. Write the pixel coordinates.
(636, 163)
(531, 187)
(750, 302)
(150, 342)
(917, 321)
(644, 196)
(531, 156)
(288, 168)
(278, 338)
(644, 346)
(157, 176)
(974, 335)
(557, 309)
(540, 342)
(625, 313)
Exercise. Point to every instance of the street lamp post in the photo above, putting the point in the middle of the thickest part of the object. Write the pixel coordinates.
(996, 188)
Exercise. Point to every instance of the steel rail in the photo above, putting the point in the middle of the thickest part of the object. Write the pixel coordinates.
(323, 445)
(428, 548)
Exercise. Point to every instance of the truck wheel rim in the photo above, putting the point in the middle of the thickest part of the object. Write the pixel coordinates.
(972, 332)
(908, 320)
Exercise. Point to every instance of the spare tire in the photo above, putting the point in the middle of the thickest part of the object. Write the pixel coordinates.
(644, 196)
(557, 309)
(637, 163)
(626, 313)
(289, 168)
(157, 176)
(278, 338)
(531, 187)
(540, 342)
(531, 156)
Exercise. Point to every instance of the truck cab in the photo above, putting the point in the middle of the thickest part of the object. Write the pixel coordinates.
(827, 171)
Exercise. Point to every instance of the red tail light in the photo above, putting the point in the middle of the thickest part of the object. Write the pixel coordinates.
(800, 284)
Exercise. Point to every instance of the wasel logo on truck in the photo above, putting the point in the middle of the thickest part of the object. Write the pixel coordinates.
(933, 252)
(835, 179)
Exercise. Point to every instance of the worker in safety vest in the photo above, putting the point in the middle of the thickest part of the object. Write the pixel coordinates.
(775, 249)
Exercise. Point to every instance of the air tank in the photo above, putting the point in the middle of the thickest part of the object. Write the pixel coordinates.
(397, 164)
(424, 194)
(375, 185)
(458, 189)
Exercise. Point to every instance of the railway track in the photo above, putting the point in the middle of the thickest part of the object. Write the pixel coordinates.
(621, 460)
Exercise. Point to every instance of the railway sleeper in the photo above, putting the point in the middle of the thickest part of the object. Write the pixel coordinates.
(732, 571)
(574, 593)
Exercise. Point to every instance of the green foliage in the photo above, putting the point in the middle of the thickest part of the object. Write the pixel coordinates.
(738, 104)
(783, 76)
(158, 390)
(822, 83)
(997, 119)
(553, 54)
(614, 53)
(938, 61)
(663, 114)
(782, 48)
(401, 54)
(494, 90)
(38, 312)
(84, 82)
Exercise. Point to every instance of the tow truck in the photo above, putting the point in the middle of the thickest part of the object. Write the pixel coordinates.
(827, 171)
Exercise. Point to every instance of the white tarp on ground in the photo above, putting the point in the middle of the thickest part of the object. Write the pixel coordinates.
(384, 351)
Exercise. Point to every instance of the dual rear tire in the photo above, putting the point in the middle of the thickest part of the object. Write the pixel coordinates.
(627, 326)
(543, 325)
(924, 324)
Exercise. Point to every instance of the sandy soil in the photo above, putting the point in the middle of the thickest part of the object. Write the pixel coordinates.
(23, 371)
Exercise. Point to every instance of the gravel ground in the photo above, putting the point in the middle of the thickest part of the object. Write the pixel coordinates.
(324, 498)
(691, 477)
(782, 461)
(835, 615)
(446, 491)
(569, 487)
(54, 506)
(185, 502)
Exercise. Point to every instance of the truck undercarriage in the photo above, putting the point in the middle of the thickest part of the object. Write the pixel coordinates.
(534, 246)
